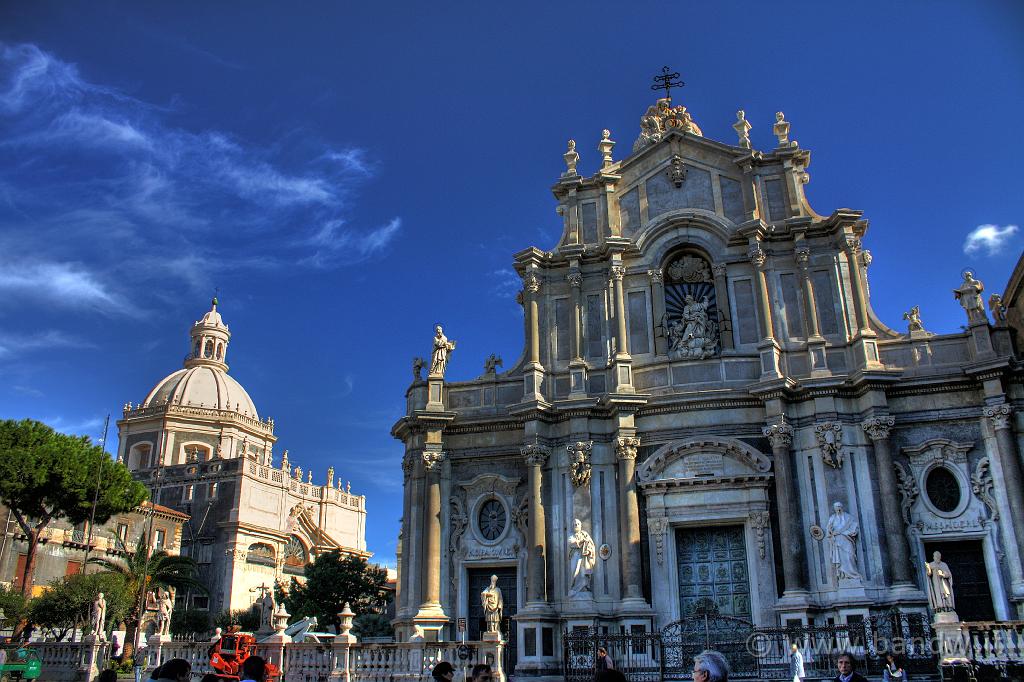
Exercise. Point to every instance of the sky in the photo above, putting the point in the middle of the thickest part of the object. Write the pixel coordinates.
(347, 174)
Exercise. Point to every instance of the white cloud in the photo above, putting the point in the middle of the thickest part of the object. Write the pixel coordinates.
(336, 243)
(12, 345)
(62, 284)
(506, 282)
(988, 238)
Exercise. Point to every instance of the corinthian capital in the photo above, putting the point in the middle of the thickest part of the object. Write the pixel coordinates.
(617, 272)
(432, 460)
(535, 454)
(531, 283)
(757, 256)
(718, 269)
(657, 276)
(1000, 416)
(851, 243)
(626, 447)
(803, 255)
(779, 435)
(878, 428)
(575, 279)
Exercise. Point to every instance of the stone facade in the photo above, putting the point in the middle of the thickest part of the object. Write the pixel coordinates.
(199, 445)
(703, 379)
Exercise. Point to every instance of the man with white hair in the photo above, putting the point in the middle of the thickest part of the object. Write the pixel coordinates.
(710, 666)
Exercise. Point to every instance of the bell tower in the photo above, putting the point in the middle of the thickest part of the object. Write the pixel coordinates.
(210, 338)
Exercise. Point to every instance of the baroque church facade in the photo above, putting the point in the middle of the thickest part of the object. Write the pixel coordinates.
(198, 443)
(708, 414)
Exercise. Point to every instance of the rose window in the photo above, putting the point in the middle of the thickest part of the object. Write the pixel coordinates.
(492, 519)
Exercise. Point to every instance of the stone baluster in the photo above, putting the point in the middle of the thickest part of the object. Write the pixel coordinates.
(718, 270)
(431, 566)
(658, 303)
(787, 494)
(851, 246)
(895, 537)
(1002, 424)
(629, 515)
(536, 456)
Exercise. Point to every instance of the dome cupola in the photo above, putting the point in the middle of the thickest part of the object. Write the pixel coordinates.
(210, 338)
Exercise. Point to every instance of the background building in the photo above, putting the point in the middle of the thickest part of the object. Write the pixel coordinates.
(703, 379)
(201, 447)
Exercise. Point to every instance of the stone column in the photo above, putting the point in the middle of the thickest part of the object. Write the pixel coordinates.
(575, 279)
(408, 533)
(803, 257)
(629, 516)
(431, 565)
(532, 287)
(851, 245)
(658, 305)
(722, 301)
(764, 307)
(621, 342)
(895, 538)
(787, 494)
(536, 456)
(1010, 463)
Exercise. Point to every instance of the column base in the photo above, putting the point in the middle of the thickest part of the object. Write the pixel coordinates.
(539, 654)
(634, 606)
(769, 351)
(906, 593)
(431, 619)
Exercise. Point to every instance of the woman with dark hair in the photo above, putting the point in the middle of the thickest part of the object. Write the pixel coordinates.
(443, 672)
(893, 670)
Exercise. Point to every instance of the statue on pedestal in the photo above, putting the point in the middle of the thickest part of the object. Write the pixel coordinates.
(442, 349)
(98, 622)
(165, 609)
(940, 585)
(493, 604)
(969, 295)
(582, 555)
(842, 531)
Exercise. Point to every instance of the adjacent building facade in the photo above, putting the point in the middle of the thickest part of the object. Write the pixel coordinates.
(198, 443)
(708, 414)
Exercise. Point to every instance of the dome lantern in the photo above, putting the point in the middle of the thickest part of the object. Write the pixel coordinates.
(210, 338)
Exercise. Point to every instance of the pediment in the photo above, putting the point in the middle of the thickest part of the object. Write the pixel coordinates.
(705, 458)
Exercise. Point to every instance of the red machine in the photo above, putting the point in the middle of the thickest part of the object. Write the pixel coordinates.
(229, 653)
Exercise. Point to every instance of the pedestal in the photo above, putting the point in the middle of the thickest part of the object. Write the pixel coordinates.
(577, 379)
(88, 666)
(435, 394)
(533, 382)
(769, 352)
(817, 358)
(623, 374)
(865, 348)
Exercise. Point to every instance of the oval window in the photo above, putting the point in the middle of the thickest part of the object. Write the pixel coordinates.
(492, 519)
(943, 489)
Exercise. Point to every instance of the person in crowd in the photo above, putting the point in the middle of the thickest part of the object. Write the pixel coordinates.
(138, 662)
(796, 663)
(481, 673)
(255, 669)
(603, 661)
(108, 675)
(893, 670)
(710, 666)
(443, 672)
(175, 670)
(845, 664)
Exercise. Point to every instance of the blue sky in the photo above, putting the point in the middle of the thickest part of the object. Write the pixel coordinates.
(347, 174)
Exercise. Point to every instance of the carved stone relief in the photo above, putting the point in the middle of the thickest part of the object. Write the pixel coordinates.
(579, 462)
(656, 528)
(830, 443)
(759, 522)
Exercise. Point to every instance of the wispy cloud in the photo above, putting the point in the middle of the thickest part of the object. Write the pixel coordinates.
(102, 194)
(29, 391)
(13, 345)
(92, 426)
(988, 238)
(505, 282)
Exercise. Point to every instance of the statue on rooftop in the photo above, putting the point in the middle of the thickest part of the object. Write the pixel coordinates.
(742, 127)
(913, 318)
(969, 295)
(491, 364)
(998, 308)
(781, 129)
(571, 159)
(442, 349)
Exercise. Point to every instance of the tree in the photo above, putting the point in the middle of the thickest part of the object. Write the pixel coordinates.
(14, 605)
(45, 475)
(190, 623)
(247, 620)
(372, 625)
(67, 602)
(333, 580)
(142, 571)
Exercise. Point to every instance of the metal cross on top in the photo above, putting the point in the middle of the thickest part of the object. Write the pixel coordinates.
(666, 81)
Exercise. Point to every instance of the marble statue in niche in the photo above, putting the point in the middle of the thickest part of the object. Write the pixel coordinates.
(842, 531)
(940, 585)
(582, 554)
(691, 312)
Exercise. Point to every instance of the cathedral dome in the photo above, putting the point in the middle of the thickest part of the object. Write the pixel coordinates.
(202, 386)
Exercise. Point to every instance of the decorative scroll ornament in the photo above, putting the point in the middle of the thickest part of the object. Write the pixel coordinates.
(458, 522)
(878, 428)
(689, 269)
(982, 485)
(1000, 416)
(661, 118)
(579, 462)
(759, 522)
(908, 489)
(521, 516)
(779, 435)
(677, 173)
(656, 528)
(625, 448)
(432, 460)
(830, 443)
(535, 454)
